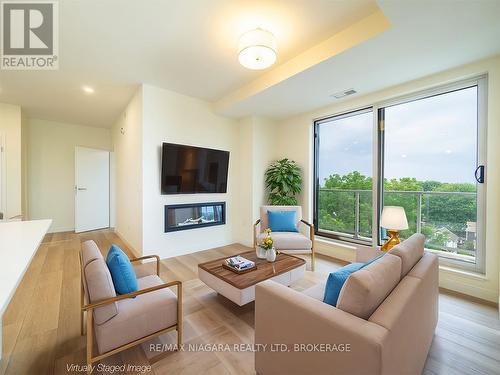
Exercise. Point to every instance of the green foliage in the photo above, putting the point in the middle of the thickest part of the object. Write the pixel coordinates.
(440, 238)
(283, 181)
(403, 184)
(353, 180)
(469, 245)
(336, 209)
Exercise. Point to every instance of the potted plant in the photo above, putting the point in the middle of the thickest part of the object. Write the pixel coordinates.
(284, 182)
(266, 249)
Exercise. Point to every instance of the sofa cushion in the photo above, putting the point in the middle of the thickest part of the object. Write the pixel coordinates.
(264, 222)
(289, 240)
(139, 316)
(336, 281)
(99, 286)
(367, 288)
(122, 271)
(410, 251)
(282, 221)
(317, 291)
(428, 263)
(90, 251)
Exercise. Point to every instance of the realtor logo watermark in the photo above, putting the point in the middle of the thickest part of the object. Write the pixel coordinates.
(30, 39)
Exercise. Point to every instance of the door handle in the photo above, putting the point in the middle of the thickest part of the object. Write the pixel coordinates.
(479, 174)
(81, 188)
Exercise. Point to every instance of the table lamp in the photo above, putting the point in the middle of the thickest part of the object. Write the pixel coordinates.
(393, 219)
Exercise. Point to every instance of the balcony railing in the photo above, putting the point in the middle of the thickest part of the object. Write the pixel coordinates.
(448, 219)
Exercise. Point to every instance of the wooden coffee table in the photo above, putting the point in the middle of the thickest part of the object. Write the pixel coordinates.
(240, 288)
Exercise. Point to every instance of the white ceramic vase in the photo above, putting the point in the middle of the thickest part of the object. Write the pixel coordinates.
(271, 255)
(261, 252)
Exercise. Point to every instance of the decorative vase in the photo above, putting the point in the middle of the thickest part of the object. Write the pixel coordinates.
(261, 252)
(271, 255)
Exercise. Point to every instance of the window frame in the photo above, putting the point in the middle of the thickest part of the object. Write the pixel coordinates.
(331, 234)
(377, 108)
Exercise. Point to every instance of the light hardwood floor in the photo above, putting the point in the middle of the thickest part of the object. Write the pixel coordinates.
(41, 325)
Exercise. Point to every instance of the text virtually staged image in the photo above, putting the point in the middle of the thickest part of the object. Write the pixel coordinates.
(261, 187)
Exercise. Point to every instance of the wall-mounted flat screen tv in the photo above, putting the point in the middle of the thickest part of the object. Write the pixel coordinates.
(190, 170)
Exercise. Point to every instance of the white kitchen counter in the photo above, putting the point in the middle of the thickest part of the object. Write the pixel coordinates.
(19, 241)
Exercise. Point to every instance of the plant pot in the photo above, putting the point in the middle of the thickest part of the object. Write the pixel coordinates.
(260, 252)
(271, 255)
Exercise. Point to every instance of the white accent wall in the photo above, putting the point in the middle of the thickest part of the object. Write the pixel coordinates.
(176, 118)
(157, 115)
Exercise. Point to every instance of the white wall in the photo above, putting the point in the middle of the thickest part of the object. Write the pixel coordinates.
(175, 118)
(24, 165)
(51, 168)
(258, 145)
(296, 142)
(127, 147)
(244, 220)
(265, 151)
(10, 128)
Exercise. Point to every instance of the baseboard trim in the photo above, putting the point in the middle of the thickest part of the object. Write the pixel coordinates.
(468, 297)
(60, 230)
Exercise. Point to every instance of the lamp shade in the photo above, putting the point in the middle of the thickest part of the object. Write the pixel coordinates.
(257, 49)
(394, 217)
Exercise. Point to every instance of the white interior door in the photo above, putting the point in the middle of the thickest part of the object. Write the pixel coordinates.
(91, 189)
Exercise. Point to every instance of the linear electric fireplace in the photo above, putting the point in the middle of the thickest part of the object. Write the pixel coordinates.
(194, 215)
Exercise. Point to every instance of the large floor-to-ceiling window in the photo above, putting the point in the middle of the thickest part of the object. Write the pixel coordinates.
(344, 170)
(424, 152)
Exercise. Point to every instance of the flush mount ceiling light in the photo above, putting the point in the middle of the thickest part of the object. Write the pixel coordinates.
(88, 90)
(257, 49)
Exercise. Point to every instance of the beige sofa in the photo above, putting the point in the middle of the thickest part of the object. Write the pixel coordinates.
(384, 321)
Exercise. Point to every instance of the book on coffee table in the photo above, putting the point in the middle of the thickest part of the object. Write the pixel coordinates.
(239, 264)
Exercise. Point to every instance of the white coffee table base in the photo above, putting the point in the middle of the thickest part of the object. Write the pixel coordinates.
(243, 296)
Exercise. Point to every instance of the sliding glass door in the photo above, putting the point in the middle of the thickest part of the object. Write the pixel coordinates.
(430, 157)
(431, 166)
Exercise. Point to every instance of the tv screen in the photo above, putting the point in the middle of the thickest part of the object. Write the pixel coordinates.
(189, 170)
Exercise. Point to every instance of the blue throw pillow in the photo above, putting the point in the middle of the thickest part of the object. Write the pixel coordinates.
(122, 271)
(336, 281)
(282, 221)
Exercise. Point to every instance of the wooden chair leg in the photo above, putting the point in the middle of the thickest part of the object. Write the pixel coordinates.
(179, 316)
(82, 313)
(89, 342)
(313, 260)
(82, 320)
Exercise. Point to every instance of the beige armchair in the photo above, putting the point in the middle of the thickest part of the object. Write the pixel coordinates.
(118, 322)
(287, 242)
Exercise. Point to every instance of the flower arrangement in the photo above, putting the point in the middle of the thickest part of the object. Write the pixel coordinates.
(267, 241)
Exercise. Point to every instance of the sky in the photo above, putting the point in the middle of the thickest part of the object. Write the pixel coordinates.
(429, 139)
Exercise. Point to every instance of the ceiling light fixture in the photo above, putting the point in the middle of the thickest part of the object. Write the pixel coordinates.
(88, 89)
(257, 49)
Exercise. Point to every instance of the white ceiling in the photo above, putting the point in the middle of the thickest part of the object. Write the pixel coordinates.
(189, 46)
(425, 37)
